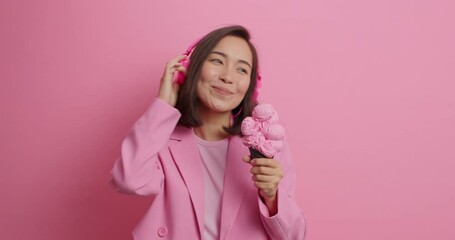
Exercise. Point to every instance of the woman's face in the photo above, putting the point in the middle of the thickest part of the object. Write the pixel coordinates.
(225, 75)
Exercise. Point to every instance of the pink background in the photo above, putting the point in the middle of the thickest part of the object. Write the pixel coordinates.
(366, 90)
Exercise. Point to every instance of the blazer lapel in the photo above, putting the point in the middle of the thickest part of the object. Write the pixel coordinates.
(237, 179)
(187, 159)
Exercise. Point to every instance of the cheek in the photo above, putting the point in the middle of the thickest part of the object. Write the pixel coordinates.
(207, 74)
(243, 85)
(201, 88)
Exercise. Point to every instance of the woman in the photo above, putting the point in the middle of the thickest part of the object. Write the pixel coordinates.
(186, 152)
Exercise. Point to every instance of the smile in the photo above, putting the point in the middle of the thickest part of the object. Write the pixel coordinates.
(223, 91)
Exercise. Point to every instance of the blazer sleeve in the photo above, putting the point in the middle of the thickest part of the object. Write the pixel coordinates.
(289, 222)
(138, 170)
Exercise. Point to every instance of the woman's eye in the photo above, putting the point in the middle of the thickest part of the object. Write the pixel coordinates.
(243, 70)
(215, 60)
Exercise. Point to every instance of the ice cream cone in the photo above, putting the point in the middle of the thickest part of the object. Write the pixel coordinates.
(262, 134)
(254, 153)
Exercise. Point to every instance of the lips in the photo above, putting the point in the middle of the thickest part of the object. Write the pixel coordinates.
(222, 90)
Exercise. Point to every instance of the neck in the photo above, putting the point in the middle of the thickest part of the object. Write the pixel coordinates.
(212, 125)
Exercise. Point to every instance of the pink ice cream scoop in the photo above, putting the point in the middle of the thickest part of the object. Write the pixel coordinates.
(265, 113)
(261, 132)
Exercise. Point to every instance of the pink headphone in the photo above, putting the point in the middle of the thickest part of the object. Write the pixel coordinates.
(180, 79)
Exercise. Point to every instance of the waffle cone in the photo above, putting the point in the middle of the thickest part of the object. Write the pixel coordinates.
(254, 153)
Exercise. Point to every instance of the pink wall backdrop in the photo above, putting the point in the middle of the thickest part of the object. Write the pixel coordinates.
(366, 90)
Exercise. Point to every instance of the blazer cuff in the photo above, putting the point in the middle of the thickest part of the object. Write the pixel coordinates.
(273, 223)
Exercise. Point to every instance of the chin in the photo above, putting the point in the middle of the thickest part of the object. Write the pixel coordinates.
(220, 108)
(228, 106)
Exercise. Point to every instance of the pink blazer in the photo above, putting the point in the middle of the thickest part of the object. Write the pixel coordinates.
(161, 159)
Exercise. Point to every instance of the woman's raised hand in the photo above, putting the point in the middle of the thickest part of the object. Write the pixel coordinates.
(168, 87)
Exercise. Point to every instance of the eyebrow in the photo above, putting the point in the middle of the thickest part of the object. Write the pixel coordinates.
(224, 55)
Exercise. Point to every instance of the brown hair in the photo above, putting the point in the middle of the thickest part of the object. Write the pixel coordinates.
(187, 98)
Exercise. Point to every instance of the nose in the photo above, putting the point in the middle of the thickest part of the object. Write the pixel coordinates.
(226, 75)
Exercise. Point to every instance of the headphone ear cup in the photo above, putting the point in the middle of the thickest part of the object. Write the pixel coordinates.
(258, 87)
(180, 79)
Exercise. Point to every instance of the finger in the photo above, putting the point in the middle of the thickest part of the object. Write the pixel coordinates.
(264, 178)
(246, 158)
(177, 59)
(175, 62)
(265, 171)
(174, 66)
(269, 162)
(180, 68)
(171, 70)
